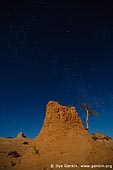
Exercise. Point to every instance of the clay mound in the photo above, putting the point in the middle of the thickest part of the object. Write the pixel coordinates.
(103, 139)
(63, 140)
(20, 135)
(100, 136)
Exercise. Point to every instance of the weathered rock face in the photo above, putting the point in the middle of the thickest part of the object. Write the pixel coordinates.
(63, 140)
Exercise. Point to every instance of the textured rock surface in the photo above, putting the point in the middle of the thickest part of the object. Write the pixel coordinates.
(63, 140)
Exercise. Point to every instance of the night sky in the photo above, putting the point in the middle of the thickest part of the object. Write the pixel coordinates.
(55, 50)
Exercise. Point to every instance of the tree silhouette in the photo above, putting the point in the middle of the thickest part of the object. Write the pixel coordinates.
(89, 111)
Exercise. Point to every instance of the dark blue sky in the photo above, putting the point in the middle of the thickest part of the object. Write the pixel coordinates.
(52, 50)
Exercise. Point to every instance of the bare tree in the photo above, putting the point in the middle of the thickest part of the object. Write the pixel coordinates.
(89, 111)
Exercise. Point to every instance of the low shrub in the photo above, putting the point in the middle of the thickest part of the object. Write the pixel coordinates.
(35, 150)
(107, 137)
(14, 154)
(94, 138)
(13, 163)
(69, 106)
(25, 143)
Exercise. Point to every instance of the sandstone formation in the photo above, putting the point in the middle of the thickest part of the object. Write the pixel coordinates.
(63, 140)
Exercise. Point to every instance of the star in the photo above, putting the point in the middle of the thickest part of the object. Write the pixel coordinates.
(90, 87)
